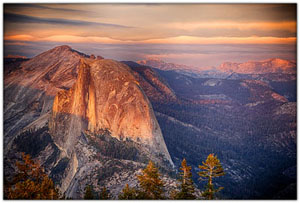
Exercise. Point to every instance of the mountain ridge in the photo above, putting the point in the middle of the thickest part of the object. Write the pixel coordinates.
(272, 65)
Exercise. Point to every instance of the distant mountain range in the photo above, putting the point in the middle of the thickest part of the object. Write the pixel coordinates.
(162, 65)
(15, 56)
(274, 65)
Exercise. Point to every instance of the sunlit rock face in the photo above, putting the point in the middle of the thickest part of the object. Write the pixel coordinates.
(61, 103)
(274, 65)
(30, 87)
(49, 71)
(106, 95)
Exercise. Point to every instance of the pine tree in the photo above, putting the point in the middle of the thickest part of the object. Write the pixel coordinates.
(150, 183)
(128, 193)
(31, 182)
(187, 188)
(88, 192)
(210, 169)
(104, 194)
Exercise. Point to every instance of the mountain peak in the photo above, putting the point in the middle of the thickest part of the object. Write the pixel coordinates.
(49, 71)
(62, 47)
(63, 51)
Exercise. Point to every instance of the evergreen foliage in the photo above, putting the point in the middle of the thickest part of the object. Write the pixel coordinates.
(150, 183)
(128, 193)
(31, 182)
(88, 192)
(210, 169)
(104, 194)
(187, 188)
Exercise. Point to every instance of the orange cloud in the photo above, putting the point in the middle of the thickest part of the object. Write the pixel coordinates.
(19, 37)
(73, 38)
(222, 40)
(63, 38)
(290, 26)
(170, 40)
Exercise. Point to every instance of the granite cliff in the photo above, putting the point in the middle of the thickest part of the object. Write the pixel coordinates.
(86, 119)
(29, 88)
(106, 95)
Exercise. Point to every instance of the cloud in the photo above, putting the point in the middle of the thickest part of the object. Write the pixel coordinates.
(183, 33)
(222, 40)
(20, 38)
(152, 22)
(40, 6)
(63, 38)
(286, 25)
(17, 18)
(170, 40)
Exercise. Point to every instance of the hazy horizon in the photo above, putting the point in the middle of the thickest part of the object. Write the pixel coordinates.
(193, 34)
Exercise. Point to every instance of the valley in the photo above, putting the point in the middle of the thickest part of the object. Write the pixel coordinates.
(98, 121)
(242, 120)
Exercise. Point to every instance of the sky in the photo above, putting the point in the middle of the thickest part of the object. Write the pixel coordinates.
(200, 35)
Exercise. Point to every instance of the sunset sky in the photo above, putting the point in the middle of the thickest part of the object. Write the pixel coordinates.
(192, 34)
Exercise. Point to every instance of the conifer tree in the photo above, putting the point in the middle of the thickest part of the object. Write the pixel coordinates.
(104, 194)
(31, 182)
(88, 192)
(128, 193)
(150, 183)
(187, 188)
(210, 169)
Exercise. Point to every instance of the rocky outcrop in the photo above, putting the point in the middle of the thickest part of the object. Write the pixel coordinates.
(30, 88)
(100, 57)
(106, 95)
(79, 115)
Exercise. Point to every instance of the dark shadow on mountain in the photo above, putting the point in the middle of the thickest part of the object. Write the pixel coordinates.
(23, 105)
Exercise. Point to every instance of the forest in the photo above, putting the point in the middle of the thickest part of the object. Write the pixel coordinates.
(31, 182)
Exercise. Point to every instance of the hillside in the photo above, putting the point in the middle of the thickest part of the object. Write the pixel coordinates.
(79, 116)
(248, 122)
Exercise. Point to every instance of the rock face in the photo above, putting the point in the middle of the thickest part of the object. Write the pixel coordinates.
(82, 118)
(274, 65)
(154, 86)
(30, 88)
(106, 95)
